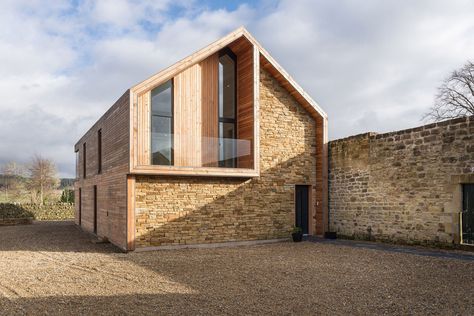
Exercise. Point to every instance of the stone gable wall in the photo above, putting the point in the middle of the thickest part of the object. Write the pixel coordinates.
(402, 186)
(193, 210)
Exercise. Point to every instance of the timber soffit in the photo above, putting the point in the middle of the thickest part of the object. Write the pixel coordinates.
(214, 47)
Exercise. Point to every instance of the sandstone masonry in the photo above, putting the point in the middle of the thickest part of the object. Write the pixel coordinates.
(402, 186)
(193, 210)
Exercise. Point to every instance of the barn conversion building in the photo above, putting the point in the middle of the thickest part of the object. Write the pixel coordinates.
(222, 146)
(225, 146)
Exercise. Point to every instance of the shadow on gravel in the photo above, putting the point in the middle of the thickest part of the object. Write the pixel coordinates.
(413, 250)
(130, 304)
(55, 236)
(284, 278)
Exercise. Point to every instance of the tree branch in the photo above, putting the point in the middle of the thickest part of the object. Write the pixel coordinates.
(455, 96)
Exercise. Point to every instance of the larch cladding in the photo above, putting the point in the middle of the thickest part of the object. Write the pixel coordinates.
(194, 210)
(111, 183)
(402, 186)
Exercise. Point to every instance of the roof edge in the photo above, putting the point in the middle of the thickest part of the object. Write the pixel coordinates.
(212, 48)
(284, 73)
(190, 60)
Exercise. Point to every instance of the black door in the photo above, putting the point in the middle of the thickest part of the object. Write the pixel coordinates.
(95, 209)
(468, 213)
(302, 207)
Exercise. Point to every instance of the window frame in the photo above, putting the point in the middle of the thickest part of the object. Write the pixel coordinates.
(78, 166)
(171, 117)
(99, 151)
(227, 51)
(84, 160)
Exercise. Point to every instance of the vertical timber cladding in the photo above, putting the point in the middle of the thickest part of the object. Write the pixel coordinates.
(245, 99)
(144, 130)
(111, 183)
(196, 112)
(210, 114)
(130, 213)
(402, 186)
(187, 117)
(192, 210)
(196, 109)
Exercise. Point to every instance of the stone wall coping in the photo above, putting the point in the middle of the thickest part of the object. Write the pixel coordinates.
(353, 137)
(375, 135)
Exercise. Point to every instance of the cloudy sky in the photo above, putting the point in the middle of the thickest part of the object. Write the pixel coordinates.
(372, 65)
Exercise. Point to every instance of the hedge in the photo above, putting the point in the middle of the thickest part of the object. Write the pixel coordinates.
(54, 211)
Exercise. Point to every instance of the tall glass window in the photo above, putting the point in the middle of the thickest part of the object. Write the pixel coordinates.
(162, 124)
(227, 110)
(77, 164)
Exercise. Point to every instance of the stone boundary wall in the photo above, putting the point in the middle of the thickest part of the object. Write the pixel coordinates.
(402, 186)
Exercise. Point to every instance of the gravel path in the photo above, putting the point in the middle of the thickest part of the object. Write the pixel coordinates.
(54, 269)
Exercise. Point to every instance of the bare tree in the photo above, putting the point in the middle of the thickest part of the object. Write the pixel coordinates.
(13, 179)
(455, 96)
(43, 177)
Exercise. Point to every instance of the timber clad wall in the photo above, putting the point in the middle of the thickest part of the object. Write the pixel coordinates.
(190, 210)
(194, 200)
(210, 115)
(403, 186)
(187, 117)
(195, 103)
(245, 97)
(111, 183)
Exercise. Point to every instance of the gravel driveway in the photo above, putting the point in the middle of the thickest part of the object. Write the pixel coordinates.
(53, 268)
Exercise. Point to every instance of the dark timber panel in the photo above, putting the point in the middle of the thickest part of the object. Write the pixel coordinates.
(468, 214)
(302, 207)
(245, 107)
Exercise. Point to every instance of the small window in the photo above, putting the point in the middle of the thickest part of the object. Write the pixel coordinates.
(162, 151)
(84, 162)
(78, 172)
(227, 109)
(99, 151)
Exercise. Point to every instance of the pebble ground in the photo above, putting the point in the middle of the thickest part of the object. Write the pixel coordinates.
(54, 269)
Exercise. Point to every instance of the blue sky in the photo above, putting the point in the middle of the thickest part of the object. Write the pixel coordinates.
(372, 65)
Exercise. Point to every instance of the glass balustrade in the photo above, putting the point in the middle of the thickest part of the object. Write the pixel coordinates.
(180, 150)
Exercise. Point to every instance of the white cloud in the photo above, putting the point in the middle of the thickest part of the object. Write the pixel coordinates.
(65, 65)
(373, 62)
(118, 12)
(372, 65)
